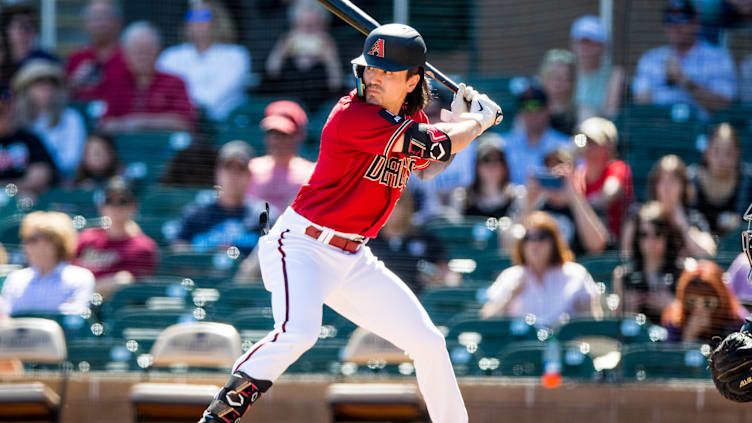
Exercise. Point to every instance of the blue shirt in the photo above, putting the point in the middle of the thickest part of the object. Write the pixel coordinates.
(64, 289)
(523, 158)
(212, 226)
(704, 64)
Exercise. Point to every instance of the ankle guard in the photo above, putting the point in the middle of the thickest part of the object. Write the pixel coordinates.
(232, 401)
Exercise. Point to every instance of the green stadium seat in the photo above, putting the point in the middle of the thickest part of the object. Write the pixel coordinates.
(146, 154)
(649, 362)
(237, 297)
(464, 237)
(442, 304)
(151, 295)
(322, 358)
(104, 354)
(162, 230)
(9, 228)
(168, 202)
(74, 326)
(252, 324)
(144, 325)
(73, 201)
(489, 335)
(199, 264)
(629, 330)
(601, 266)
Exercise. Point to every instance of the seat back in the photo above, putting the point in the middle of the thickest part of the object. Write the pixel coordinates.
(199, 344)
(32, 340)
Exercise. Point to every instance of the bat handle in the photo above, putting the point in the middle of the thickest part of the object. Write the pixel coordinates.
(437, 75)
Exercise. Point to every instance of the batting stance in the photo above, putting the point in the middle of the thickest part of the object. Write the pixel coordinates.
(731, 361)
(315, 254)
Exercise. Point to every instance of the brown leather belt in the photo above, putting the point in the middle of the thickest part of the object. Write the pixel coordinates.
(349, 245)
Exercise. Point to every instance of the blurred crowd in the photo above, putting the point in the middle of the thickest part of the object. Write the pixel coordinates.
(554, 186)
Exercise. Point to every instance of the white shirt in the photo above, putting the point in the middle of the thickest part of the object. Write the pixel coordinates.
(216, 79)
(65, 289)
(560, 292)
(65, 141)
(706, 65)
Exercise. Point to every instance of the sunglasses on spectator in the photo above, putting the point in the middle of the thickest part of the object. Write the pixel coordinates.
(708, 301)
(658, 233)
(537, 236)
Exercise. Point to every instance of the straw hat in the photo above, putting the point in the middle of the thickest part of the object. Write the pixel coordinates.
(34, 70)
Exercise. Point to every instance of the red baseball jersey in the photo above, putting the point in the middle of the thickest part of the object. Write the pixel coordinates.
(358, 179)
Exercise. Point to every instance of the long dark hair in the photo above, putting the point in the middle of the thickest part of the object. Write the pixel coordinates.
(654, 214)
(420, 97)
(475, 188)
(85, 174)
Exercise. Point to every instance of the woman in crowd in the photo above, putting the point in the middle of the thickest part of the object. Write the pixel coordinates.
(99, 162)
(41, 108)
(50, 283)
(722, 182)
(209, 51)
(557, 78)
(647, 283)
(704, 306)
(491, 194)
(598, 86)
(544, 281)
(668, 183)
(305, 62)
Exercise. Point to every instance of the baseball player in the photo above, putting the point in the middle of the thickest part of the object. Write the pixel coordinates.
(731, 361)
(316, 252)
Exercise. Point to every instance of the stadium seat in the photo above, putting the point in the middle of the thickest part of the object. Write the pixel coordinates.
(353, 402)
(468, 235)
(38, 341)
(104, 354)
(253, 324)
(323, 357)
(628, 330)
(489, 335)
(187, 345)
(146, 154)
(442, 304)
(236, 297)
(650, 362)
(73, 201)
(525, 359)
(148, 295)
(144, 325)
(168, 202)
(601, 266)
(199, 264)
(9, 229)
(74, 326)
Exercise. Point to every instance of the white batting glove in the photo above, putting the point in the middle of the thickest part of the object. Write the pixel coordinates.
(460, 103)
(484, 111)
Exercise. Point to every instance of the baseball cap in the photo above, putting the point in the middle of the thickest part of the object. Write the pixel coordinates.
(590, 27)
(284, 116)
(235, 150)
(532, 99)
(118, 191)
(679, 11)
(394, 48)
(600, 131)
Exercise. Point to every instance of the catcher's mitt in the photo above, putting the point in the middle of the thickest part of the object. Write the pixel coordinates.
(731, 365)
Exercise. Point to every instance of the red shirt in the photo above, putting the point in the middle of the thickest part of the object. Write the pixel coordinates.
(105, 256)
(358, 179)
(616, 211)
(92, 83)
(165, 94)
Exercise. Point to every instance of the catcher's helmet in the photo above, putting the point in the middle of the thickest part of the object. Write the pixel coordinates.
(747, 238)
(391, 47)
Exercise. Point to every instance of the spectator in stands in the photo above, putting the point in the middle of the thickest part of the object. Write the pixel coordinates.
(491, 194)
(688, 70)
(416, 256)
(229, 220)
(117, 253)
(526, 146)
(304, 62)
(722, 182)
(599, 84)
(738, 277)
(41, 107)
(557, 79)
(20, 26)
(24, 160)
(647, 283)
(554, 192)
(92, 68)
(50, 283)
(704, 306)
(209, 51)
(99, 163)
(668, 183)
(277, 176)
(544, 281)
(605, 181)
(147, 99)
(191, 167)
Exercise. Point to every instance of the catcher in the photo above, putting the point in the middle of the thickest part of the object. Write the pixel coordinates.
(731, 361)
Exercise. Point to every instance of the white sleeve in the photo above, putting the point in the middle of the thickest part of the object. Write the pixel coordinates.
(84, 289)
(648, 75)
(723, 80)
(75, 133)
(235, 72)
(502, 288)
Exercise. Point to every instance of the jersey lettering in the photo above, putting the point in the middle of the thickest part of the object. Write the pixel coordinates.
(377, 49)
(392, 172)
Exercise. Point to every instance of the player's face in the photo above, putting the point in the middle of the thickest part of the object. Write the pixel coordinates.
(388, 89)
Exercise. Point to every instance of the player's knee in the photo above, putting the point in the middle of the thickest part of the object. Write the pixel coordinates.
(305, 337)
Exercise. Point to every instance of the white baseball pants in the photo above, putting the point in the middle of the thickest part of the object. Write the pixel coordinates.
(303, 274)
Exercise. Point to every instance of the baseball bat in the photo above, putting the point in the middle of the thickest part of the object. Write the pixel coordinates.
(360, 20)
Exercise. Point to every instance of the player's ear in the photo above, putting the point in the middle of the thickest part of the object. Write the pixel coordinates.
(412, 82)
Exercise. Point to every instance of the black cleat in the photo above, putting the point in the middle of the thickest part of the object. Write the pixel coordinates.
(232, 401)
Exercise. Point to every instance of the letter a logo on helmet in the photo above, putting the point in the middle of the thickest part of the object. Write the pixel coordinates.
(377, 49)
